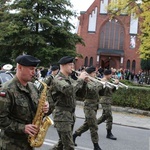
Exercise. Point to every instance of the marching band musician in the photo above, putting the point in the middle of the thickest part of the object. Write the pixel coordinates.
(63, 93)
(18, 104)
(106, 102)
(48, 80)
(91, 94)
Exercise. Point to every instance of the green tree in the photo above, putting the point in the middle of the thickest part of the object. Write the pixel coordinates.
(145, 65)
(142, 10)
(38, 27)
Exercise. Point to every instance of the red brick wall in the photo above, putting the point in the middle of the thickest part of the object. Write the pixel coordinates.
(92, 39)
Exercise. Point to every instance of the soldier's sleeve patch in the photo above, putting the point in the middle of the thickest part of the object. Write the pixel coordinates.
(3, 94)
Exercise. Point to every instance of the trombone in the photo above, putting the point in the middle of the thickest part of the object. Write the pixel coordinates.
(92, 79)
(109, 84)
(120, 84)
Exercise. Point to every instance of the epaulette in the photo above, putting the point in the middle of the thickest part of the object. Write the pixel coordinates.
(2, 94)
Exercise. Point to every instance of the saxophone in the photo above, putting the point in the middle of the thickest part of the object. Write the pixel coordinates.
(40, 121)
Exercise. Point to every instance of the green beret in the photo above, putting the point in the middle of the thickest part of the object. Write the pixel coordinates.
(107, 72)
(65, 60)
(90, 69)
(27, 60)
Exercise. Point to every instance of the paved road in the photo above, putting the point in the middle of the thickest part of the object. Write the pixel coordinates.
(128, 138)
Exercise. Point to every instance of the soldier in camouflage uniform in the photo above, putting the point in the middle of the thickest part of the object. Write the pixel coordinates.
(18, 104)
(106, 102)
(48, 80)
(92, 89)
(64, 90)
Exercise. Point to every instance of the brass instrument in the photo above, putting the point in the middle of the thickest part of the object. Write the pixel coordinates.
(109, 84)
(92, 79)
(41, 122)
(121, 84)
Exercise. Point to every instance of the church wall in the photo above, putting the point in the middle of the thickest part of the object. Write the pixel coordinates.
(92, 39)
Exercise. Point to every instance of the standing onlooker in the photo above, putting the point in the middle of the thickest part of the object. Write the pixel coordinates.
(127, 74)
(43, 72)
(38, 73)
(101, 71)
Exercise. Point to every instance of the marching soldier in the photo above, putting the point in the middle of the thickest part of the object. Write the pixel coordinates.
(91, 93)
(48, 80)
(18, 104)
(63, 93)
(106, 102)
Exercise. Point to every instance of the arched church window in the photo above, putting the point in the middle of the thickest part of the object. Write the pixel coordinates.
(86, 62)
(128, 64)
(91, 61)
(112, 35)
(133, 65)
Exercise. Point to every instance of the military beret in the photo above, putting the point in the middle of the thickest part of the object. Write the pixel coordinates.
(107, 72)
(90, 69)
(65, 60)
(27, 60)
(54, 68)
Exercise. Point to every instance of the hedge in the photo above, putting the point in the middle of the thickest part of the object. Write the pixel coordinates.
(134, 96)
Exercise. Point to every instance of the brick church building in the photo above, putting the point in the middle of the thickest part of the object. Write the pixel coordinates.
(108, 42)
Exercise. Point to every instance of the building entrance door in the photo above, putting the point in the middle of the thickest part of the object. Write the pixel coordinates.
(108, 63)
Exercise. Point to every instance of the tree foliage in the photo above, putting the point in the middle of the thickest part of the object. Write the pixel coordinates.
(37, 27)
(145, 64)
(142, 10)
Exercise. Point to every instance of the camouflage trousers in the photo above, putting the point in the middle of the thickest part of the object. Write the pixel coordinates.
(90, 123)
(65, 130)
(106, 115)
(7, 143)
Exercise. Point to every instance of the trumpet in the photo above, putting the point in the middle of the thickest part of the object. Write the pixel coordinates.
(91, 78)
(109, 84)
(121, 84)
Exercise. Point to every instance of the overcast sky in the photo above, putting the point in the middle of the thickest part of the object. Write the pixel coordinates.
(80, 5)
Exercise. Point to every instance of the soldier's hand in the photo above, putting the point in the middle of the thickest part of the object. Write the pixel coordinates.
(46, 107)
(31, 129)
(83, 75)
(116, 81)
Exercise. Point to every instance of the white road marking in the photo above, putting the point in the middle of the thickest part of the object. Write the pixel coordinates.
(52, 142)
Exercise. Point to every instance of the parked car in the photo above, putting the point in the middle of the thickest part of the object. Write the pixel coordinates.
(5, 76)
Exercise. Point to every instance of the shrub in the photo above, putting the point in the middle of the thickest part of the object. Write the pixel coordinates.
(135, 97)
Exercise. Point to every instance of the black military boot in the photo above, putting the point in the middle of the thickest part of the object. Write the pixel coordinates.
(74, 139)
(110, 135)
(96, 146)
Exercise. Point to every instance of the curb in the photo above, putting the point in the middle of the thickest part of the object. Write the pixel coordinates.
(123, 109)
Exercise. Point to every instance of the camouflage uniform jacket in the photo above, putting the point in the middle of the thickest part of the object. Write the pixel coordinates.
(92, 94)
(63, 92)
(18, 106)
(49, 81)
(107, 95)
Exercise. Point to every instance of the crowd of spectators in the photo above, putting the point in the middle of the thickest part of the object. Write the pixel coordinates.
(121, 74)
(124, 74)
